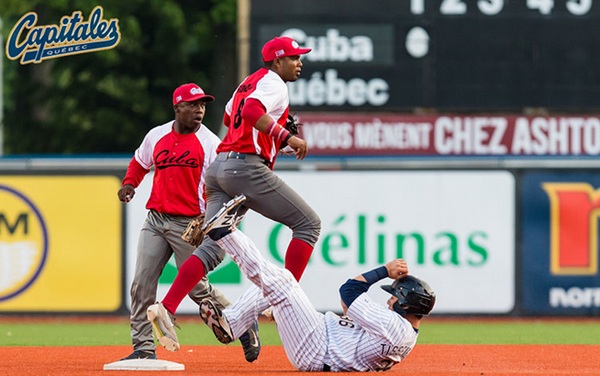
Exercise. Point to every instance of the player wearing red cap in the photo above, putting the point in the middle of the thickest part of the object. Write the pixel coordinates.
(255, 117)
(180, 151)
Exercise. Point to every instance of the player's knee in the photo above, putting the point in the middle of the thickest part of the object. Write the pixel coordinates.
(142, 291)
(315, 232)
(310, 229)
(210, 254)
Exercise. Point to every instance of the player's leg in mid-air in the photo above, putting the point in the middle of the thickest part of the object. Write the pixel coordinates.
(301, 327)
(268, 195)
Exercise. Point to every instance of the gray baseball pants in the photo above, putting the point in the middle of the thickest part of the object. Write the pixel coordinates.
(160, 238)
(266, 194)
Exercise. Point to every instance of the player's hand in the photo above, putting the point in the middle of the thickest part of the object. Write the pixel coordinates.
(397, 268)
(126, 193)
(299, 146)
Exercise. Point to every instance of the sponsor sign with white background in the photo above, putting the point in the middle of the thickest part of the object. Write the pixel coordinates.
(455, 229)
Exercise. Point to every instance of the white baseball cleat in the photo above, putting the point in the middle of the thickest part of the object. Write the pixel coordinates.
(213, 317)
(164, 325)
(226, 219)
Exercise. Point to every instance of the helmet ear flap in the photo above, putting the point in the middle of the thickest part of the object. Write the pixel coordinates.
(400, 308)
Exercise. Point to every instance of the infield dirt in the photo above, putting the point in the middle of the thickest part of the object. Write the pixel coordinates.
(425, 360)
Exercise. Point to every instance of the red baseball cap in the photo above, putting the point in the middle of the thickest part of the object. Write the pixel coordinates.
(281, 47)
(190, 93)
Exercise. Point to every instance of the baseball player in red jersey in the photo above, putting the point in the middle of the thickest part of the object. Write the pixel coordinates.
(368, 337)
(254, 117)
(180, 151)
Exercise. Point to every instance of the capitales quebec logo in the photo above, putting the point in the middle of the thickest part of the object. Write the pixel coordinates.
(73, 35)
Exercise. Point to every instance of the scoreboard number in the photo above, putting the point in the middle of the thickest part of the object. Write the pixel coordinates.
(494, 7)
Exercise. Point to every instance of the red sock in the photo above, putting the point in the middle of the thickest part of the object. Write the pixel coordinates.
(188, 276)
(297, 256)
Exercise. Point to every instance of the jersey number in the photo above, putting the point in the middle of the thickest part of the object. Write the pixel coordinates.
(237, 119)
(345, 321)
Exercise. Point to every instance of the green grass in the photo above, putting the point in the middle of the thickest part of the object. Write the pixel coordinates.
(65, 332)
(517, 332)
(77, 333)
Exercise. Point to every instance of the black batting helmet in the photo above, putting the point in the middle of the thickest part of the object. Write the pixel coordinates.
(414, 295)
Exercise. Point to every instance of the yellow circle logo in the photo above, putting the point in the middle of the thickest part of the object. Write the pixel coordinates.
(23, 243)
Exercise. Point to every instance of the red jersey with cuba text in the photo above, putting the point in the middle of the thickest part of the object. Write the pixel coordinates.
(179, 161)
(267, 87)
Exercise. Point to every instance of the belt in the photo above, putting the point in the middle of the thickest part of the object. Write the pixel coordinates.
(236, 155)
(326, 368)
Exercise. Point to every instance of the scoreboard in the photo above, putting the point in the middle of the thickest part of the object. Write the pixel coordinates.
(446, 55)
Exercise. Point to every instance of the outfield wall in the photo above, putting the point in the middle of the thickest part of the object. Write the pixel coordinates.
(501, 237)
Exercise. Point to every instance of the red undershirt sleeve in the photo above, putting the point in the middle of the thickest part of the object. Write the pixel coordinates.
(253, 110)
(135, 173)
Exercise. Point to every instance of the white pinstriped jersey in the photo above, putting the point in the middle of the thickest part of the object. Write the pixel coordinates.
(370, 338)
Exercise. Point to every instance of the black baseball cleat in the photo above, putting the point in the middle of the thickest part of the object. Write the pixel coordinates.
(213, 317)
(226, 219)
(251, 343)
(141, 354)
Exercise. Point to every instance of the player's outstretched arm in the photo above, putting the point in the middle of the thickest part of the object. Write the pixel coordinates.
(350, 290)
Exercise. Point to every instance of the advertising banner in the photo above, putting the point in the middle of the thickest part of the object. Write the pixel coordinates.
(60, 244)
(455, 229)
(377, 134)
(560, 243)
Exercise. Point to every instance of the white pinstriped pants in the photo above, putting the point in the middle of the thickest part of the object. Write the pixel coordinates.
(301, 327)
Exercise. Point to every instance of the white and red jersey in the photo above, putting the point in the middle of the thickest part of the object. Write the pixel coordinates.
(267, 87)
(179, 161)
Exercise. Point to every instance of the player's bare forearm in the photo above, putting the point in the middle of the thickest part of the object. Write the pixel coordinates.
(296, 143)
(263, 123)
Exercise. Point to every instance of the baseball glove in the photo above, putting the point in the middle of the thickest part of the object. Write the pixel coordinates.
(193, 232)
(292, 124)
